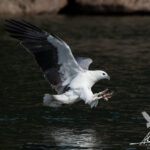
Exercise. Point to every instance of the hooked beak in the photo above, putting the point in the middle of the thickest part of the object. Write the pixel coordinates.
(108, 77)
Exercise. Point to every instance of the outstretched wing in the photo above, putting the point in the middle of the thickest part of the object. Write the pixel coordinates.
(52, 54)
(84, 62)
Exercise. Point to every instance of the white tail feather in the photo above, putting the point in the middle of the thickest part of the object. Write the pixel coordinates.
(48, 100)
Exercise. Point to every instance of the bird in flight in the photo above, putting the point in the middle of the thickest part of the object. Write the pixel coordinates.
(68, 75)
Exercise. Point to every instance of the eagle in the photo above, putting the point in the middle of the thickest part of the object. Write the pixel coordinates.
(69, 75)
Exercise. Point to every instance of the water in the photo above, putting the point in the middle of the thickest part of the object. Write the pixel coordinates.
(118, 45)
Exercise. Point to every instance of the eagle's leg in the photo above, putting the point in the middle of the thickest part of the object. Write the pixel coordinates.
(107, 96)
(94, 103)
(101, 93)
(104, 94)
(98, 96)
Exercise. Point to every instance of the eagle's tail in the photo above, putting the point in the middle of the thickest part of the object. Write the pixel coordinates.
(48, 100)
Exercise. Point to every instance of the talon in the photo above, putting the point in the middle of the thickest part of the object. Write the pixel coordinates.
(107, 96)
(103, 92)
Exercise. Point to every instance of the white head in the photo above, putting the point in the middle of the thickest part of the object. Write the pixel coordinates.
(102, 75)
(97, 75)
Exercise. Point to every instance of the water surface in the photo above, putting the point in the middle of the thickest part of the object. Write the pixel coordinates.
(118, 45)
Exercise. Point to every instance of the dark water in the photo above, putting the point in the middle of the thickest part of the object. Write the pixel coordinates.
(118, 45)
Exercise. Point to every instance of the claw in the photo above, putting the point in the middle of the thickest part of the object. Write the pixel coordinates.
(103, 92)
(107, 96)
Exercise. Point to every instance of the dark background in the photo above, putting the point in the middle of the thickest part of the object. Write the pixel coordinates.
(118, 44)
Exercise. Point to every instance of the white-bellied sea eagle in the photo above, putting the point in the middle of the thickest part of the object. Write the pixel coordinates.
(67, 74)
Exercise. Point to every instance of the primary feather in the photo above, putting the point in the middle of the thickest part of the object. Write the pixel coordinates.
(52, 54)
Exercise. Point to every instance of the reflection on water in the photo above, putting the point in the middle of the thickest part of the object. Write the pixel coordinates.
(67, 139)
(72, 138)
(118, 45)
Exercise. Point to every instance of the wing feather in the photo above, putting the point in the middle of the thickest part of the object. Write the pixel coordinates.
(84, 62)
(51, 53)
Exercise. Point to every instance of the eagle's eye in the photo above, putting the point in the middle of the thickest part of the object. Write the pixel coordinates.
(104, 74)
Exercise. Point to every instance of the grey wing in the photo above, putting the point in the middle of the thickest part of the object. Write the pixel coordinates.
(84, 62)
(51, 53)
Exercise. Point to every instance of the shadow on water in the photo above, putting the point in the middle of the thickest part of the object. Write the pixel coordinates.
(118, 45)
